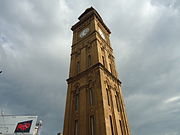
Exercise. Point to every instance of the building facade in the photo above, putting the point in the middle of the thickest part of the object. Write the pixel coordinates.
(94, 104)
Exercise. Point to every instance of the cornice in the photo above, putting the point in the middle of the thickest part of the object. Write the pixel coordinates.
(96, 66)
(90, 12)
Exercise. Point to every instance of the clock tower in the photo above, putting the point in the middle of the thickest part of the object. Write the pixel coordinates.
(94, 104)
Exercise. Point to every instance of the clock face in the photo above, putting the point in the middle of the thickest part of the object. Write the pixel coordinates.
(102, 34)
(84, 32)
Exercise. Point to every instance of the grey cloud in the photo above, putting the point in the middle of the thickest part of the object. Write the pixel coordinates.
(167, 3)
(33, 79)
(152, 75)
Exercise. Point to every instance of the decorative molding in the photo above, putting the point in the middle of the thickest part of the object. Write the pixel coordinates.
(96, 66)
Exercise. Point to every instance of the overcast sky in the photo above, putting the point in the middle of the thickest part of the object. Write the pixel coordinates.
(35, 43)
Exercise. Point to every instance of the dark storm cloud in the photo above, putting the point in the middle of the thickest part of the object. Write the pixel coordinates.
(34, 72)
(150, 72)
(35, 40)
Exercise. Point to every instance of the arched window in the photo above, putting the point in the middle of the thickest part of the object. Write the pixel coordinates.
(78, 67)
(111, 70)
(92, 125)
(76, 128)
(117, 102)
(120, 124)
(111, 124)
(89, 60)
(108, 96)
(103, 60)
(91, 102)
(76, 102)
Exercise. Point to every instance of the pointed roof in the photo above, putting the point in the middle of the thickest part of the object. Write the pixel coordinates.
(88, 13)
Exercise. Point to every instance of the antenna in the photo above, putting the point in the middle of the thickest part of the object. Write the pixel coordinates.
(2, 112)
(38, 127)
(4, 124)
